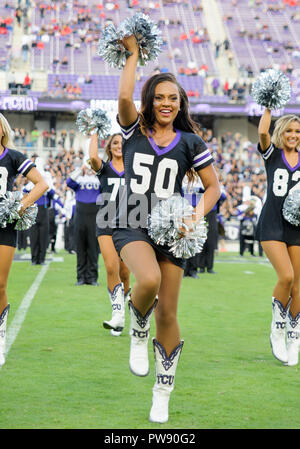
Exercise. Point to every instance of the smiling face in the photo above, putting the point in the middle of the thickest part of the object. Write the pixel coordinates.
(166, 102)
(116, 146)
(291, 135)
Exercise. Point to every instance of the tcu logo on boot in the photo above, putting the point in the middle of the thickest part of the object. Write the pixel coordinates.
(165, 379)
(116, 306)
(280, 325)
(293, 335)
(139, 334)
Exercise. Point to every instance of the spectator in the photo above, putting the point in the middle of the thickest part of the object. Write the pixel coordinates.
(34, 137)
(27, 82)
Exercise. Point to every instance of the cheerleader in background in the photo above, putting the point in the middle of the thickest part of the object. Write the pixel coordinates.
(111, 177)
(280, 239)
(12, 163)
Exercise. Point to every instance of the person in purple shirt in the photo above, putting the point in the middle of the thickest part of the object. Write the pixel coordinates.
(87, 189)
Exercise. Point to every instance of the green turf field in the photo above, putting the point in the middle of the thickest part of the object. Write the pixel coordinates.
(65, 371)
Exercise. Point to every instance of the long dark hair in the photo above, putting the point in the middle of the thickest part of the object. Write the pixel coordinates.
(183, 120)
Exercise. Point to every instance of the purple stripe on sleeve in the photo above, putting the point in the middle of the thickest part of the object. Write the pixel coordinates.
(24, 166)
(206, 155)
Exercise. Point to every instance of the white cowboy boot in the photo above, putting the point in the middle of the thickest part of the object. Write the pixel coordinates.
(117, 321)
(293, 338)
(165, 368)
(278, 330)
(139, 333)
(3, 321)
(127, 296)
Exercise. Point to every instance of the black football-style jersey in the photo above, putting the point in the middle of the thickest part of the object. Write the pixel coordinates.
(281, 178)
(110, 182)
(12, 163)
(153, 173)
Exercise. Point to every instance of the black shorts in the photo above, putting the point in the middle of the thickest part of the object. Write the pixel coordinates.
(103, 231)
(279, 231)
(122, 236)
(8, 235)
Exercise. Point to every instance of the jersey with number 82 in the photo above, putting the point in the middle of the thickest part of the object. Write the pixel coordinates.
(281, 179)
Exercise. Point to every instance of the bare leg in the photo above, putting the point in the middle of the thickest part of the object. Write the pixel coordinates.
(140, 258)
(294, 253)
(167, 328)
(278, 255)
(6, 258)
(124, 274)
(111, 260)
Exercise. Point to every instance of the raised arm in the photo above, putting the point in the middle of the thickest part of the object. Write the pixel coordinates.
(127, 110)
(263, 130)
(95, 159)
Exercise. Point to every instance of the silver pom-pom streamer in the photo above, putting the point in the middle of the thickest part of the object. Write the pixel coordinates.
(91, 121)
(111, 48)
(291, 207)
(271, 89)
(165, 225)
(27, 219)
(9, 204)
(147, 34)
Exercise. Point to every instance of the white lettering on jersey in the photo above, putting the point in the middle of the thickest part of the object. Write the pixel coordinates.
(281, 179)
(141, 167)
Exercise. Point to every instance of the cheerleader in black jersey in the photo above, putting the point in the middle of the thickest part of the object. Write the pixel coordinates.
(280, 239)
(111, 177)
(160, 147)
(12, 163)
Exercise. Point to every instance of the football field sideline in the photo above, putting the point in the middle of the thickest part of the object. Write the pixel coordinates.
(20, 314)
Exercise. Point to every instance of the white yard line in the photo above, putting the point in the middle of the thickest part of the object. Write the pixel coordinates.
(20, 314)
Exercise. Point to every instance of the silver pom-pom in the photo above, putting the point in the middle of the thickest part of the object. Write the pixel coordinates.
(27, 219)
(291, 207)
(165, 225)
(10, 205)
(91, 121)
(111, 48)
(271, 89)
(147, 34)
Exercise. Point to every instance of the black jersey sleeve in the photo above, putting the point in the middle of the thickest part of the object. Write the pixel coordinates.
(200, 154)
(267, 153)
(128, 131)
(21, 162)
(101, 170)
